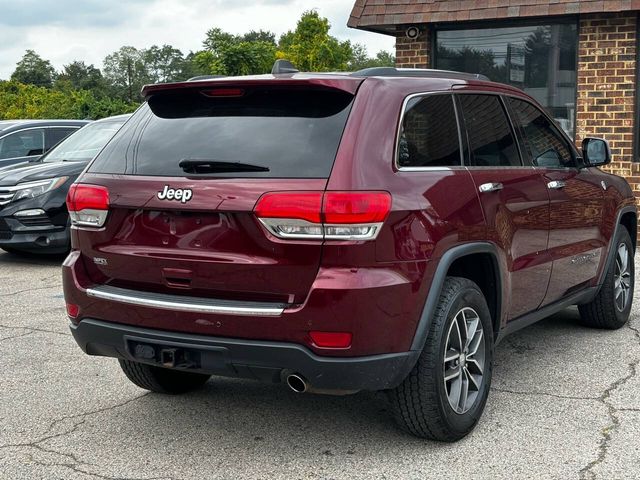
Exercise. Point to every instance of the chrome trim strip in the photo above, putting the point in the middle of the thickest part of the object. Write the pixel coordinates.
(271, 224)
(184, 304)
(42, 127)
(25, 185)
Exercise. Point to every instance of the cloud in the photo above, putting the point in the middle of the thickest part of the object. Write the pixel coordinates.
(69, 13)
(89, 30)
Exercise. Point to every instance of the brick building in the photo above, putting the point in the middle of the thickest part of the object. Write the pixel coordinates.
(577, 58)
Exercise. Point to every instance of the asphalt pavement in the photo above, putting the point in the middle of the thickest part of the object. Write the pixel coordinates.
(565, 404)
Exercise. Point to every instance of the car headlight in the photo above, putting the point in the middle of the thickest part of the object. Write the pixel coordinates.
(34, 189)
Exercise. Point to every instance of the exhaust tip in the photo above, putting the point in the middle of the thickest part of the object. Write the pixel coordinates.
(297, 383)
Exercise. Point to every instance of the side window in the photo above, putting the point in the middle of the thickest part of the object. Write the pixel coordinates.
(544, 144)
(491, 141)
(56, 135)
(429, 133)
(22, 144)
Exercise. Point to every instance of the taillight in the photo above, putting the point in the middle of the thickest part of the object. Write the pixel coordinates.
(328, 215)
(88, 205)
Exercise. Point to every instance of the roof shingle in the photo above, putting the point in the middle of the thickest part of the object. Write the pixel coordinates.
(384, 15)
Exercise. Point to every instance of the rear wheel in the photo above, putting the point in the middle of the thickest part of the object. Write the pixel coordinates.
(444, 395)
(162, 380)
(612, 306)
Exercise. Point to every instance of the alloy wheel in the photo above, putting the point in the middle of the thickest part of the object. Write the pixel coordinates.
(622, 278)
(464, 360)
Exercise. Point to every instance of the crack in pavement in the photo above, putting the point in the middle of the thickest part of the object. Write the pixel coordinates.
(587, 473)
(15, 336)
(35, 329)
(29, 290)
(76, 468)
(75, 463)
(543, 394)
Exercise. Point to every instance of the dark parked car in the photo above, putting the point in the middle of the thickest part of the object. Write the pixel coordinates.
(375, 231)
(33, 213)
(24, 140)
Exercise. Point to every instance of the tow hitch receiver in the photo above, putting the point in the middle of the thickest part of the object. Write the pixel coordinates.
(168, 357)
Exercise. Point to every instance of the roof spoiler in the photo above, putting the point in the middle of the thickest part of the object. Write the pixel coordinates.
(204, 77)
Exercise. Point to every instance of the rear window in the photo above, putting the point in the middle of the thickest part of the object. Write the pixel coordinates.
(292, 133)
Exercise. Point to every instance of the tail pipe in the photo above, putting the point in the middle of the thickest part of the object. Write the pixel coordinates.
(297, 383)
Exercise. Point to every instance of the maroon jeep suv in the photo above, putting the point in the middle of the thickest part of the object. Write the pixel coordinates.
(381, 230)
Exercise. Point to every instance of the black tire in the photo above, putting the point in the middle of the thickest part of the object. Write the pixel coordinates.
(602, 311)
(420, 404)
(162, 380)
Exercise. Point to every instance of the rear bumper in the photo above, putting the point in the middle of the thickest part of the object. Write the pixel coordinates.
(259, 360)
(379, 306)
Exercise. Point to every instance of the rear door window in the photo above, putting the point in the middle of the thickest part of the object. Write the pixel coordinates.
(491, 140)
(291, 132)
(429, 133)
(23, 143)
(545, 146)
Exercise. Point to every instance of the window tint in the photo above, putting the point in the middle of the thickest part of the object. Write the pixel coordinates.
(544, 145)
(22, 144)
(491, 141)
(54, 135)
(429, 134)
(293, 132)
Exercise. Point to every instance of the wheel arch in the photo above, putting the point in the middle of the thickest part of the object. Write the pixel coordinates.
(627, 217)
(478, 262)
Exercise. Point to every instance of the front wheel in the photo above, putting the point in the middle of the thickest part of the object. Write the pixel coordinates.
(162, 380)
(612, 306)
(444, 395)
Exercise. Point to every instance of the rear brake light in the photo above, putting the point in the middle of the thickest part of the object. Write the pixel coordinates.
(328, 215)
(88, 205)
(223, 92)
(331, 339)
(295, 205)
(356, 207)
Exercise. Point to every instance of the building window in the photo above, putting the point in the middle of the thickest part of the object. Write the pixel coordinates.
(540, 59)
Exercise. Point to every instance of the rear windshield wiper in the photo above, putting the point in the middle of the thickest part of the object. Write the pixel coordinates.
(214, 166)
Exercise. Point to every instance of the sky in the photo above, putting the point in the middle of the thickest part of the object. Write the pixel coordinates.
(89, 30)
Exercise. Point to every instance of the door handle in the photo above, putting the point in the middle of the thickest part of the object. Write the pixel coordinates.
(490, 187)
(556, 184)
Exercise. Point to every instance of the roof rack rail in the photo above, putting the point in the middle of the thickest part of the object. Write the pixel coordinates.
(204, 77)
(417, 72)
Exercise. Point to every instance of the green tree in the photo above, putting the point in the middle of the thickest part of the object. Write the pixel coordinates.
(227, 54)
(34, 70)
(18, 100)
(126, 72)
(80, 76)
(164, 64)
(360, 58)
(310, 47)
(259, 36)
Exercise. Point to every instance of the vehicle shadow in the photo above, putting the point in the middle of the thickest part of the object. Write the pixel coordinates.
(42, 259)
(244, 413)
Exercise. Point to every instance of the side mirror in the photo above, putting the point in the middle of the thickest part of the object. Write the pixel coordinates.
(596, 152)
